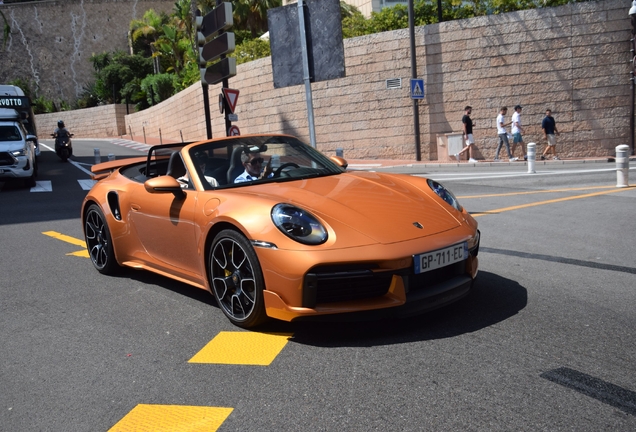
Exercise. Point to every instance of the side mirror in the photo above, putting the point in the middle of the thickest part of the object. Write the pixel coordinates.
(341, 162)
(32, 138)
(164, 184)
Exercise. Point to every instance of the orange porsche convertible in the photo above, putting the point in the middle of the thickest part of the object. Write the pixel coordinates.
(275, 229)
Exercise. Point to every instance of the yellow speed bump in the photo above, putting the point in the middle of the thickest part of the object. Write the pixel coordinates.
(172, 418)
(242, 348)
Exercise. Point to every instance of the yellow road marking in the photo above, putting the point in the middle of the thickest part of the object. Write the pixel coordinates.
(533, 192)
(72, 240)
(172, 418)
(65, 238)
(81, 253)
(244, 348)
(504, 209)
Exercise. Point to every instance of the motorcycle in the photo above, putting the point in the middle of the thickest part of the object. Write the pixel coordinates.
(63, 145)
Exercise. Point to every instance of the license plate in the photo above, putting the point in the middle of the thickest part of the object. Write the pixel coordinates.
(440, 258)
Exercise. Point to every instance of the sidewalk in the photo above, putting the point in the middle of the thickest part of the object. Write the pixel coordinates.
(391, 163)
(357, 163)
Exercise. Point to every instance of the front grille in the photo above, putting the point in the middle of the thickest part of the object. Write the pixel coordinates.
(6, 159)
(331, 285)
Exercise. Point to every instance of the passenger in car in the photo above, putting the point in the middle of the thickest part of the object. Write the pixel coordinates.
(201, 160)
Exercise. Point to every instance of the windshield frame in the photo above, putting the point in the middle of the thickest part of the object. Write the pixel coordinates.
(315, 164)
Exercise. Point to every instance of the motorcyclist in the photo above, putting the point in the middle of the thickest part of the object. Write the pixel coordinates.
(60, 130)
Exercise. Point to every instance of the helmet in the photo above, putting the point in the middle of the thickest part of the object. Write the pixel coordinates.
(60, 124)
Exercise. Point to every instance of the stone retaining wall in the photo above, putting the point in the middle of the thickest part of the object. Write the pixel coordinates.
(102, 121)
(573, 59)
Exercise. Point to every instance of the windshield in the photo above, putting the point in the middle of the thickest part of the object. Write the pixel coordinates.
(243, 161)
(10, 133)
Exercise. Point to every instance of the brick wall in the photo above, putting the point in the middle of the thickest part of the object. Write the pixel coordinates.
(102, 121)
(573, 59)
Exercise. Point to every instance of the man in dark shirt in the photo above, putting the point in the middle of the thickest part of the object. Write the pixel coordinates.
(468, 135)
(549, 129)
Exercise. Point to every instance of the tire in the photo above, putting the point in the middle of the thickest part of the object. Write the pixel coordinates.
(98, 241)
(64, 154)
(236, 279)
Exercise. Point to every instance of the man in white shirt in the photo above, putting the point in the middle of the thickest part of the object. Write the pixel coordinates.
(503, 134)
(253, 163)
(517, 130)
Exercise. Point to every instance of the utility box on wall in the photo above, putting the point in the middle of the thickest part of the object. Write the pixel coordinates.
(449, 144)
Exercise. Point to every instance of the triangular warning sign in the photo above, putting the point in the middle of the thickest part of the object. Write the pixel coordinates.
(231, 96)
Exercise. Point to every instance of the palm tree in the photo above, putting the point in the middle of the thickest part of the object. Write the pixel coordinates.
(149, 29)
(252, 15)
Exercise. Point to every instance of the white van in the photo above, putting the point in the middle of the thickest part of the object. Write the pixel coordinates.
(17, 148)
(13, 97)
(10, 90)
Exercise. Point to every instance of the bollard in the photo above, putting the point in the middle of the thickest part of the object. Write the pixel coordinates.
(111, 157)
(339, 152)
(98, 157)
(532, 157)
(622, 166)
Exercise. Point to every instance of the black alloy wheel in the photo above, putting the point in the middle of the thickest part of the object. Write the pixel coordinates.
(236, 279)
(99, 242)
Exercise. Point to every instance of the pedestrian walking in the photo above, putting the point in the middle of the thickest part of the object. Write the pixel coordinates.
(503, 134)
(517, 131)
(468, 135)
(549, 129)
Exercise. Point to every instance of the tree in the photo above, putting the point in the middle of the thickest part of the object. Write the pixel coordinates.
(158, 87)
(118, 75)
(252, 15)
(149, 29)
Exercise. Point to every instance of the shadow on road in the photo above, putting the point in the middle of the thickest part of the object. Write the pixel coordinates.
(492, 300)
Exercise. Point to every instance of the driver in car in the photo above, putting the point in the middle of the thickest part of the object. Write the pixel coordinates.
(253, 163)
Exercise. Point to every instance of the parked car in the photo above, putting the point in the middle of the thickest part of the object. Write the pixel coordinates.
(301, 237)
(17, 149)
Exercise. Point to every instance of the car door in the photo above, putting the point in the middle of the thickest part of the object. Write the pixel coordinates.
(165, 225)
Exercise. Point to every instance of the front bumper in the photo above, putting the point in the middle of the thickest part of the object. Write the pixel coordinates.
(366, 285)
(15, 167)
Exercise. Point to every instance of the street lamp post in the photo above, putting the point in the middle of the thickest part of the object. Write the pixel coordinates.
(632, 15)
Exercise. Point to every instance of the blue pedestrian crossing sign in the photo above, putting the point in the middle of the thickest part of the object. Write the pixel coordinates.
(417, 88)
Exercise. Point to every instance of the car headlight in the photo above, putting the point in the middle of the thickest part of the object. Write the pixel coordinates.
(21, 152)
(298, 224)
(444, 194)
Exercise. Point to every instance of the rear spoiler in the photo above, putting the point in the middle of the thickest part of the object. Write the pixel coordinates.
(102, 170)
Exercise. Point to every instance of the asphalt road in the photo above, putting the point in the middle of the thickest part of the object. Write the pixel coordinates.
(546, 340)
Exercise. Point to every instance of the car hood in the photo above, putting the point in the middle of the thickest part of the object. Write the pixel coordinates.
(9, 146)
(386, 208)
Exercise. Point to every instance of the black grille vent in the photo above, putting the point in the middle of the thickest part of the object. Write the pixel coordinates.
(6, 159)
(341, 285)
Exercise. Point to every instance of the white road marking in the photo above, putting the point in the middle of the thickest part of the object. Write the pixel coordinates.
(86, 184)
(42, 186)
(80, 167)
